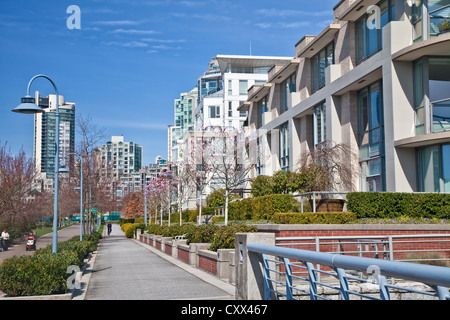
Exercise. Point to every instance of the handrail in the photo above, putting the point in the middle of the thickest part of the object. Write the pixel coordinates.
(434, 276)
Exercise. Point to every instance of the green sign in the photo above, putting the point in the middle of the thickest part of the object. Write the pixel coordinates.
(94, 210)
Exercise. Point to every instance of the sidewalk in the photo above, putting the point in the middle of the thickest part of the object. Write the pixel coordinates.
(19, 249)
(125, 269)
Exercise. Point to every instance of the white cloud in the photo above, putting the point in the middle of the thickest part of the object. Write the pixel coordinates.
(118, 23)
(129, 44)
(134, 31)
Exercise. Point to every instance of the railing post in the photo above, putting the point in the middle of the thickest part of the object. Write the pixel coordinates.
(343, 284)
(312, 281)
(250, 265)
(384, 290)
(288, 270)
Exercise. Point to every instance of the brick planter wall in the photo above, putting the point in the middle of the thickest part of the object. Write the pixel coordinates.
(207, 261)
(363, 230)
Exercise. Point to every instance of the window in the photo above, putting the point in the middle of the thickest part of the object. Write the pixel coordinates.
(261, 107)
(318, 65)
(284, 147)
(416, 19)
(286, 88)
(434, 168)
(243, 87)
(369, 37)
(371, 138)
(230, 109)
(214, 111)
(320, 124)
(230, 87)
(432, 94)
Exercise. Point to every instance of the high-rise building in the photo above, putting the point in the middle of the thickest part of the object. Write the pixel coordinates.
(120, 158)
(383, 91)
(44, 134)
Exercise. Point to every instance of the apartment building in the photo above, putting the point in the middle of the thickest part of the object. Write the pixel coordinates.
(377, 80)
(219, 108)
(44, 136)
(120, 157)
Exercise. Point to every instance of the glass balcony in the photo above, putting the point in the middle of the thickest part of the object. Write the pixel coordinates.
(439, 20)
(440, 111)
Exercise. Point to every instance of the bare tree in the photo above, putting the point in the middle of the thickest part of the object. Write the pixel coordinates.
(20, 203)
(330, 167)
(233, 156)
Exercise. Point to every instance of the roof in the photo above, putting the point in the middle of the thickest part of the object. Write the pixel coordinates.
(249, 61)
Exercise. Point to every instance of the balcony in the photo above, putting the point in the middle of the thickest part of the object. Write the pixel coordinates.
(440, 111)
(439, 21)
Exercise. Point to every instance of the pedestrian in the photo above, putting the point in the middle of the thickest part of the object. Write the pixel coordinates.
(109, 228)
(5, 238)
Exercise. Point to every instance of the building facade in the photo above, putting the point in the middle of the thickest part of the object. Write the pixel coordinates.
(44, 136)
(377, 80)
(120, 157)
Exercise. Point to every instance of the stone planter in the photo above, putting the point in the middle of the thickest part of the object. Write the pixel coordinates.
(328, 205)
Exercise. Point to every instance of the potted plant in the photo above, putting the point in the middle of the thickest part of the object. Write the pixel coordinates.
(444, 26)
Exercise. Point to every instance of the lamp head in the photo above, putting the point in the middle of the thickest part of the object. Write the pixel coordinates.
(28, 106)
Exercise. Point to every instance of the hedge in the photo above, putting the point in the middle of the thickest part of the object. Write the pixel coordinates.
(224, 237)
(314, 217)
(44, 272)
(394, 205)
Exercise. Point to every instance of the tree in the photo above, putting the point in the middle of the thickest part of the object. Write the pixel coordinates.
(197, 156)
(21, 201)
(330, 167)
(134, 207)
(232, 156)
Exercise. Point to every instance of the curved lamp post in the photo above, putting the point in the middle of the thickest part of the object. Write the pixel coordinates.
(81, 190)
(28, 106)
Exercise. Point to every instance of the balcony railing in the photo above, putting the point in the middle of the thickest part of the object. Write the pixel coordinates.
(439, 21)
(440, 111)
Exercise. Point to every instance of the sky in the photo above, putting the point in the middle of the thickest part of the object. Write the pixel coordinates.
(130, 59)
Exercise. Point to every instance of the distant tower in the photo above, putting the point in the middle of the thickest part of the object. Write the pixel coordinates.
(44, 133)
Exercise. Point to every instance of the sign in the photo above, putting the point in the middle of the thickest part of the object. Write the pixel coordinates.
(94, 210)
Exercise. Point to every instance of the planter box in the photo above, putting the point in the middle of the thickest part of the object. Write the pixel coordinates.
(216, 263)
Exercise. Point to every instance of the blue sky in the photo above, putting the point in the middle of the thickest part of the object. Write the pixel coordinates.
(132, 58)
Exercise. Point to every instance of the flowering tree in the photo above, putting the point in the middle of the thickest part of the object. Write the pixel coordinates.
(224, 157)
(197, 157)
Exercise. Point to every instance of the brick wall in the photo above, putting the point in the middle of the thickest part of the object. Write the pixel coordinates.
(183, 255)
(207, 264)
(424, 244)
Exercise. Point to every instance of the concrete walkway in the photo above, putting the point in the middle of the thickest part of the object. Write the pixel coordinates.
(125, 269)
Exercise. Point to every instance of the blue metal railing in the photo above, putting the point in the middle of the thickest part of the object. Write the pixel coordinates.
(303, 270)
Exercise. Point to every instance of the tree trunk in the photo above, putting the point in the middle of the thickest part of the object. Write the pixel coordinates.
(226, 206)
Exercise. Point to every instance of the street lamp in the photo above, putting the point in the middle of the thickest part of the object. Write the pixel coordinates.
(28, 106)
(81, 191)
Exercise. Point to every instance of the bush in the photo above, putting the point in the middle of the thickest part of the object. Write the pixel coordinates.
(201, 234)
(394, 205)
(314, 217)
(224, 237)
(265, 207)
(44, 272)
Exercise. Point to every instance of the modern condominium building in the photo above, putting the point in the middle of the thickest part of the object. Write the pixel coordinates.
(377, 80)
(120, 158)
(237, 75)
(44, 135)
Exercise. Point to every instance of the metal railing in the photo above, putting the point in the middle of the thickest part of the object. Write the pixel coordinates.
(298, 269)
(319, 195)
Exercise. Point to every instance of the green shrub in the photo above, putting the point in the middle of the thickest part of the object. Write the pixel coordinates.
(314, 217)
(44, 272)
(223, 238)
(240, 210)
(394, 205)
(201, 234)
(265, 207)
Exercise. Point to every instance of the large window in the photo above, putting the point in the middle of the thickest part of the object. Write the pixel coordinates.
(320, 127)
(430, 18)
(318, 64)
(286, 88)
(371, 138)
(261, 108)
(214, 111)
(369, 33)
(284, 147)
(432, 94)
(243, 87)
(434, 168)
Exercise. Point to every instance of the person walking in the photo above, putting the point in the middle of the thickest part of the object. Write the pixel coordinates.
(109, 228)
(5, 239)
